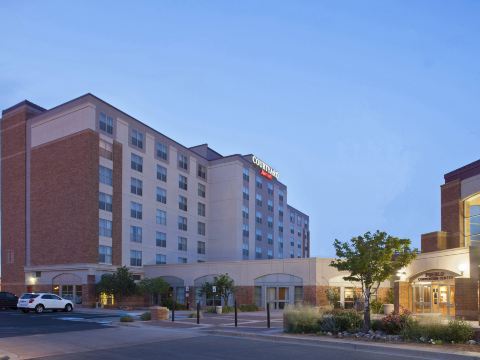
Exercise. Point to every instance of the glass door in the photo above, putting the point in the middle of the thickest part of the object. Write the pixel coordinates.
(282, 297)
(271, 297)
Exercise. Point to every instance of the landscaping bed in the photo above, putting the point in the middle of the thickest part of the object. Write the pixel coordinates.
(396, 328)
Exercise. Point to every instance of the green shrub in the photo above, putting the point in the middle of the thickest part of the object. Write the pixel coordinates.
(341, 320)
(395, 323)
(376, 307)
(455, 331)
(376, 325)
(169, 304)
(248, 307)
(146, 316)
(301, 319)
(328, 324)
(126, 318)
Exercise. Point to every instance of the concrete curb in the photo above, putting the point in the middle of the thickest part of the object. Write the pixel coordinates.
(385, 348)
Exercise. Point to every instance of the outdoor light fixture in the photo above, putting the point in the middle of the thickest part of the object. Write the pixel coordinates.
(462, 268)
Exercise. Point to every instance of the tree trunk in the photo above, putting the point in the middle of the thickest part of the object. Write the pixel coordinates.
(366, 311)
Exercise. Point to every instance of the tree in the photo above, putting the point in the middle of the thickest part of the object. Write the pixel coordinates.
(120, 283)
(153, 286)
(371, 259)
(225, 286)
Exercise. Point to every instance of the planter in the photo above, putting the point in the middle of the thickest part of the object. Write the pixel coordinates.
(388, 308)
(159, 313)
(218, 309)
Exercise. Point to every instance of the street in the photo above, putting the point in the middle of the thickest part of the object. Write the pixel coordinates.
(88, 334)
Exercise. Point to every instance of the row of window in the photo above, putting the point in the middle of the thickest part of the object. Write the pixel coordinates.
(105, 256)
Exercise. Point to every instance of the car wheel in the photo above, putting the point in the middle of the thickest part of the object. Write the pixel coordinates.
(68, 308)
(25, 311)
(39, 308)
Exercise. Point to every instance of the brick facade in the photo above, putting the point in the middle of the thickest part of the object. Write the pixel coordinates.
(434, 241)
(64, 207)
(401, 295)
(245, 295)
(466, 298)
(13, 163)
(452, 213)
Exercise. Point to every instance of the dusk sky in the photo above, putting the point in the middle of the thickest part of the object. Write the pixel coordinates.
(361, 106)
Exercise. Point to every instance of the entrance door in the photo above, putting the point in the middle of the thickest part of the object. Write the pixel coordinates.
(282, 297)
(422, 300)
(272, 296)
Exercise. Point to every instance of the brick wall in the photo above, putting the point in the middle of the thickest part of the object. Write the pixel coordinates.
(13, 163)
(401, 295)
(451, 209)
(466, 298)
(244, 295)
(64, 200)
(434, 241)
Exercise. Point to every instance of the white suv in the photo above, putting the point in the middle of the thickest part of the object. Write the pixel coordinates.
(43, 301)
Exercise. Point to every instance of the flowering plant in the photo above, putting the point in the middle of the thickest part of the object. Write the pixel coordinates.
(394, 323)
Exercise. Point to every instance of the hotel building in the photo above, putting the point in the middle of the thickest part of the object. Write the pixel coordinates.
(86, 188)
(443, 280)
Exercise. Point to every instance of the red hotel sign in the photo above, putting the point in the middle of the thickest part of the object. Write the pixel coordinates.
(267, 170)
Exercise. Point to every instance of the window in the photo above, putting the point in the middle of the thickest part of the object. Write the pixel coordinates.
(182, 161)
(245, 231)
(270, 253)
(182, 182)
(161, 173)
(182, 203)
(246, 195)
(292, 217)
(258, 252)
(306, 223)
(201, 228)
(258, 217)
(258, 199)
(201, 209)
(245, 251)
(161, 217)
(292, 255)
(136, 234)
(162, 151)
(136, 186)
(136, 210)
(160, 259)
(270, 205)
(280, 196)
(182, 243)
(182, 223)
(106, 150)
(105, 254)
(105, 175)
(270, 188)
(105, 202)
(161, 239)
(105, 123)
(246, 174)
(201, 247)
(201, 171)
(280, 213)
(161, 195)
(299, 245)
(245, 212)
(270, 222)
(201, 190)
(280, 227)
(292, 242)
(270, 239)
(258, 182)
(258, 235)
(135, 258)
(105, 228)
(136, 163)
(137, 138)
(299, 220)
(182, 260)
(292, 230)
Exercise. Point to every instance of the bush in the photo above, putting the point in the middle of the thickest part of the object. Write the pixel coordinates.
(455, 331)
(301, 319)
(248, 307)
(395, 323)
(376, 325)
(347, 320)
(227, 309)
(146, 316)
(376, 307)
(126, 318)
(168, 303)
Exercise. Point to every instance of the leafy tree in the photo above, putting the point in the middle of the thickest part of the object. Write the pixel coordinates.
(153, 287)
(120, 283)
(225, 286)
(371, 259)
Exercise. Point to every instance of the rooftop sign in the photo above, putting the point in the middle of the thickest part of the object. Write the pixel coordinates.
(267, 170)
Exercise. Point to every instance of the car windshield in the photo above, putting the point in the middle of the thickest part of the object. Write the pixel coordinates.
(29, 296)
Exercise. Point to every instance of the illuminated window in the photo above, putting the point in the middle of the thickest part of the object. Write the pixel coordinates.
(472, 219)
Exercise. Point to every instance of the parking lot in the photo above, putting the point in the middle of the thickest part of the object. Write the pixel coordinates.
(16, 323)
